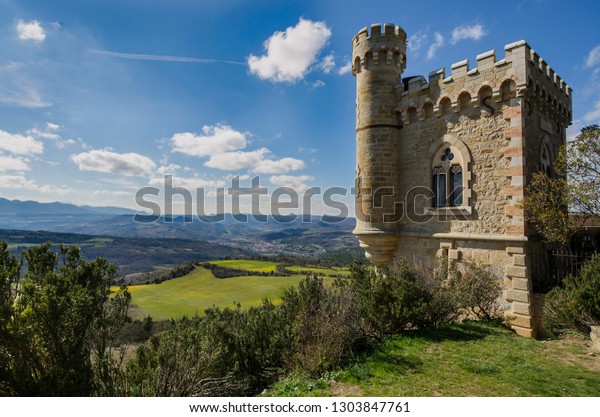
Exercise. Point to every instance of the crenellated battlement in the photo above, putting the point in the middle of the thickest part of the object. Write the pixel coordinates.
(389, 29)
(469, 137)
(521, 73)
(382, 45)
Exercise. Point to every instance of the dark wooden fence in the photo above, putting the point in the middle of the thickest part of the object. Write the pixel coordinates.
(550, 268)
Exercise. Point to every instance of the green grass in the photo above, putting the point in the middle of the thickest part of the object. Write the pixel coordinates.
(317, 270)
(248, 265)
(471, 359)
(199, 290)
(98, 242)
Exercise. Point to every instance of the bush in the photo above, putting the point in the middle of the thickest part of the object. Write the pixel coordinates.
(441, 283)
(58, 323)
(575, 306)
(317, 328)
(228, 352)
(389, 299)
(325, 326)
(478, 290)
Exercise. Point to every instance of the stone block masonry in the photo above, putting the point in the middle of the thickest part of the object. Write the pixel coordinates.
(472, 138)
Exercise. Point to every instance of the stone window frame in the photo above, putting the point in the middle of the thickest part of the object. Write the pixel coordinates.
(546, 156)
(462, 157)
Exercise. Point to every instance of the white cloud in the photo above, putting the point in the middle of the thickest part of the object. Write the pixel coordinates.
(279, 166)
(68, 142)
(113, 193)
(438, 42)
(8, 163)
(295, 182)
(233, 161)
(45, 135)
(30, 31)
(474, 32)
(19, 144)
(346, 68)
(128, 164)
(214, 139)
(415, 42)
(327, 64)
(257, 161)
(593, 57)
(167, 169)
(188, 183)
(164, 58)
(574, 130)
(16, 182)
(223, 144)
(19, 182)
(316, 84)
(307, 150)
(53, 189)
(593, 115)
(18, 88)
(290, 54)
(48, 133)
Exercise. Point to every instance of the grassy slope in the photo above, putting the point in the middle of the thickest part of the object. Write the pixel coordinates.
(200, 290)
(471, 359)
(324, 271)
(248, 265)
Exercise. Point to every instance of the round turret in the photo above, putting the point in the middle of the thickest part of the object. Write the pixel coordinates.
(378, 60)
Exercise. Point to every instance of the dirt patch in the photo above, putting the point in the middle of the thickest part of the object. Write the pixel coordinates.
(575, 351)
(340, 389)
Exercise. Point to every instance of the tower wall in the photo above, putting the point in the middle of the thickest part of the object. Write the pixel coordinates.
(496, 120)
(379, 57)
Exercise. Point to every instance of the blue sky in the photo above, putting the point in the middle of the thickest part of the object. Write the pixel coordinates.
(99, 98)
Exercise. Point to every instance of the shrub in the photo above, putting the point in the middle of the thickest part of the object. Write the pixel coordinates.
(58, 323)
(227, 352)
(444, 305)
(575, 306)
(389, 299)
(325, 326)
(478, 290)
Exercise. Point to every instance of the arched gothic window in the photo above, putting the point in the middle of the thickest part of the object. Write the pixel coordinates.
(546, 157)
(447, 180)
(450, 174)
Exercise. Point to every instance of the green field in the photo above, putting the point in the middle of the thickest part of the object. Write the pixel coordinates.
(316, 270)
(265, 266)
(248, 265)
(200, 290)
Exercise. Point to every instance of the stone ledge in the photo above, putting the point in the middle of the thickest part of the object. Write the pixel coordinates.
(521, 331)
(517, 295)
(514, 151)
(521, 321)
(513, 211)
(521, 308)
(516, 271)
(515, 249)
(520, 284)
(513, 190)
(518, 260)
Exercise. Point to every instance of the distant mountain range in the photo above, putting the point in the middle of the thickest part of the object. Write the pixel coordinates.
(303, 236)
(34, 207)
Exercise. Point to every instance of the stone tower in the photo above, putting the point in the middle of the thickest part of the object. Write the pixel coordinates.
(443, 161)
(379, 58)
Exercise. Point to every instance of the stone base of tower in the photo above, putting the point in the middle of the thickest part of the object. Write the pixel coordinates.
(507, 259)
(379, 246)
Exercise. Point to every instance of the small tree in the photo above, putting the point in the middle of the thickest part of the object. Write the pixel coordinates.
(57, 321)
(576, 305)
(559, 204)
